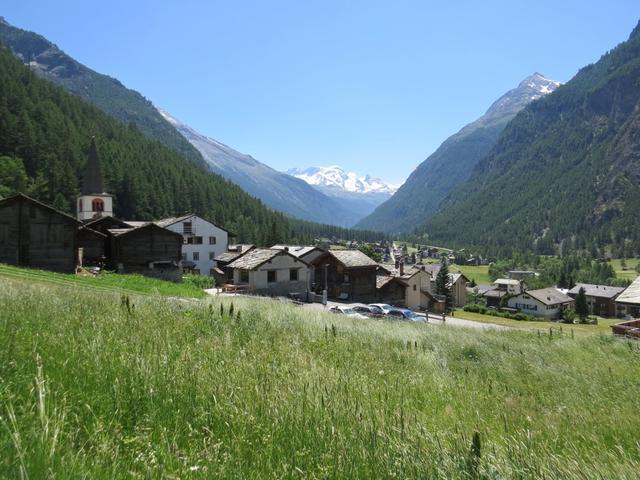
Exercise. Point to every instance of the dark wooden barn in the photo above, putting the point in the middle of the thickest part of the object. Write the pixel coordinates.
(36, 235)
(148, 250)
(91, 244)
(391, 290)
(350, 275)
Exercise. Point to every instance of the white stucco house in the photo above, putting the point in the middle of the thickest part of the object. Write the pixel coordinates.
(203, 241)
(548, 303)
(269, 271)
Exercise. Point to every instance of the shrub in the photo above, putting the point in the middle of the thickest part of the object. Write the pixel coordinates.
(199, 281)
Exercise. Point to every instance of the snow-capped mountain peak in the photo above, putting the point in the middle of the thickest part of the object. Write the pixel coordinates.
(335, 177)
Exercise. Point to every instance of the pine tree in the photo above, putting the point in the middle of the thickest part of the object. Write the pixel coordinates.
(582, 309)
(443, 285)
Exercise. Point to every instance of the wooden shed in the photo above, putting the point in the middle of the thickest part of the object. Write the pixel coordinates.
(350, 275)
(148, 250)
(36, 235)
(391, 290)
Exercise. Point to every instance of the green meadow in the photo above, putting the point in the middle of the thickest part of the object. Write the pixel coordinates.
(102, 384)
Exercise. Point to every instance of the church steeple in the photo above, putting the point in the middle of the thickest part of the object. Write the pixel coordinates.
(93, 202)
(92, 181)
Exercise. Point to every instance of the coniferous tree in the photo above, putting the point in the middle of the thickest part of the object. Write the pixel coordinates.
(443, 285)
(582, 309)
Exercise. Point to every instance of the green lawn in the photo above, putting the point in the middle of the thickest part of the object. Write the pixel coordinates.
(107, 282)
(156, 387)
(480, 274)
(630, 272)
(603, 326)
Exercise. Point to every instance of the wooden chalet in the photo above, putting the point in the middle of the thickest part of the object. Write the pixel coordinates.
(348, 275)
(391, 289)
(36, 235)
(148, 250)
(224, 274)
(601, 299)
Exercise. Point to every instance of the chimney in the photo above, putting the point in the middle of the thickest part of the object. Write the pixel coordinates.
(401, 268)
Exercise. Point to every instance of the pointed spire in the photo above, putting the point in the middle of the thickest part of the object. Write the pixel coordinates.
(92, 181)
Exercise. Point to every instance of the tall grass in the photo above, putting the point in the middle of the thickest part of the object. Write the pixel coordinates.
(106, 386)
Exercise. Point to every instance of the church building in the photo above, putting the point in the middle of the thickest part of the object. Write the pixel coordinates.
(93, 202)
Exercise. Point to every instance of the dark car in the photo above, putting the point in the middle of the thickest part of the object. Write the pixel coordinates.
(405, 314)
(369, 310)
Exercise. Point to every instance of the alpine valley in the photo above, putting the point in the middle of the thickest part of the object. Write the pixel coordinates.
(451, 164)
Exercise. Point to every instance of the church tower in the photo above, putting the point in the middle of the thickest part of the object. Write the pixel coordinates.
(93, 202)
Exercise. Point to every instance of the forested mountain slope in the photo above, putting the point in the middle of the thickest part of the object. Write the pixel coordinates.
(451, 164)
(44, 138)
(276, 189)
(107, 93)
(565, 172)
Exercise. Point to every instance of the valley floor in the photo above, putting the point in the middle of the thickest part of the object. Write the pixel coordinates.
(99, 384)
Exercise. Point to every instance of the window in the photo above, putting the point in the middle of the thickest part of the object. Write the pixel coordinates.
(97, 205)
(293, 275)
(184, 257)
(196, 256)
(244, 276)
(415, 287)
(187, 228)
(193, 240)
(271, 276)
(212, 240)
(212, 255)
(346, 278)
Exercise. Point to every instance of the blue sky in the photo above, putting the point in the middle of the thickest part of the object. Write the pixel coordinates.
(373, 86)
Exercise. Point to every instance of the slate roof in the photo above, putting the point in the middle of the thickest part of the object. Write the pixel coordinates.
(165, 222)
(352, 258)
(507, 281)
(296, 250)
(602, 291)
(549, 296)
(257, 257)
(631, 294)
(230, 256)
(118, 232)
(382, 280)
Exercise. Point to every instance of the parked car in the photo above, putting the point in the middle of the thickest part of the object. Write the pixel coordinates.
(406, 314)
(385, 307)
(341, 310)
(369, 311)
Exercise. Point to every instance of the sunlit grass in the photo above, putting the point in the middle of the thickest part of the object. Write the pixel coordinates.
(602, 328)
(106, 281)
(105, 386)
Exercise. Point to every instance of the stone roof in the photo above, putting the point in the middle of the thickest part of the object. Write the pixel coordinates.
(549, 296)
(296, 250)
(507, 281)
(257, 257)
(231, 255)
(602, 291)
(352, 258)
(631, 293)
(382, 280)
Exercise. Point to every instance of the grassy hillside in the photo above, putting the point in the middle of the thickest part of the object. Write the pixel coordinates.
(92, 388)
(109, 282)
